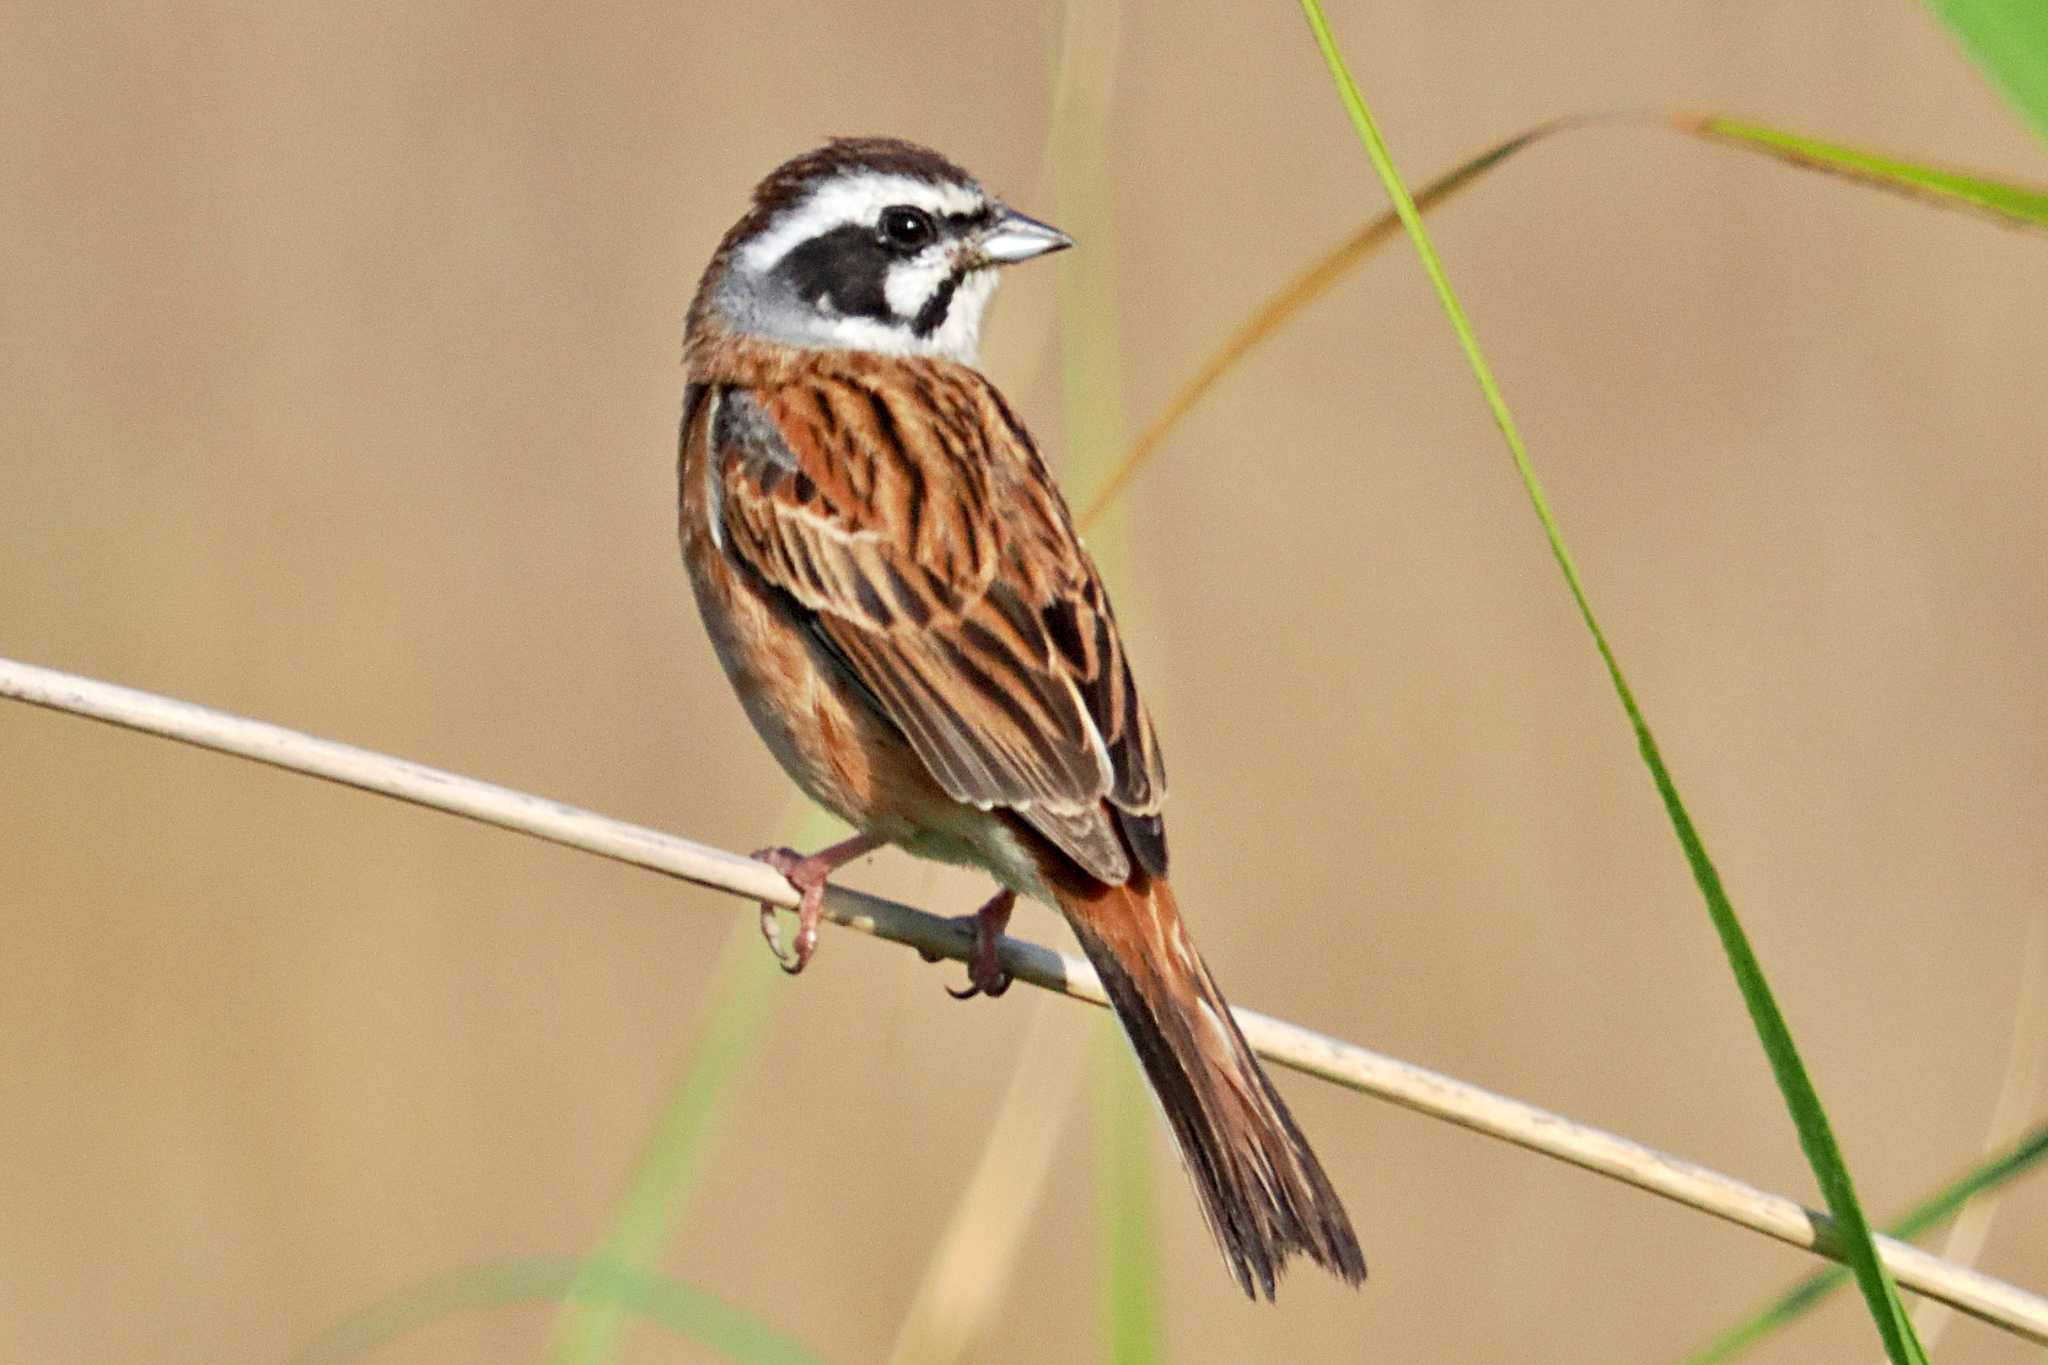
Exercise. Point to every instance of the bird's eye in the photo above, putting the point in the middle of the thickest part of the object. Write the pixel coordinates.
(907, 228)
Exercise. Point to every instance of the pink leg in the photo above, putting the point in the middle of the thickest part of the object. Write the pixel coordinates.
(985, 975)
(807, 875)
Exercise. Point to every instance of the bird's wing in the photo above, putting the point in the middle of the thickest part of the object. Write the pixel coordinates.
(907, 515)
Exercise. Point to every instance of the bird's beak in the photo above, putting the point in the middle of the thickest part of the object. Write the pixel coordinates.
(1016, 238)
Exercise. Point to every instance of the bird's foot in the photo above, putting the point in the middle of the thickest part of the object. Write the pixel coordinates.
(808, 875)
(985, 975)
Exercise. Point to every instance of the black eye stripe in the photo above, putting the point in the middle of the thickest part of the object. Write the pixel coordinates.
(845, 270)
(980, 217)
(842, 268)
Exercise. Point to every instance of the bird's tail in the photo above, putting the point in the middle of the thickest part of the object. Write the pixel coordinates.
(1261, 1188)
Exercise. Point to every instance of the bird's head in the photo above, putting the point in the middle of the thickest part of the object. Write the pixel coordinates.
(869, 244)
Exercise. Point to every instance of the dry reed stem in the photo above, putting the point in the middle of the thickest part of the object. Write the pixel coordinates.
(963, 1282)
(1331, 1059)
(2026, 1063)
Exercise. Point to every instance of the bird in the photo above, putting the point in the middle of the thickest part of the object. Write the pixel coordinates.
(894, 586)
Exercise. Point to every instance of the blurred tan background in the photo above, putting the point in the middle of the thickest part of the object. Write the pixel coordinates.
(341, 379)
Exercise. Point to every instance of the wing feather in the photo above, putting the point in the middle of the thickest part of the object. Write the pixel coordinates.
(918, 528)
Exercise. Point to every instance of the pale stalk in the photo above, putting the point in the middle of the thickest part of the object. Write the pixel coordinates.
(1290, 1045)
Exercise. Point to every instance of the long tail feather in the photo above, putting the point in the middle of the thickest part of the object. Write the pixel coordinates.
(1261, 1188)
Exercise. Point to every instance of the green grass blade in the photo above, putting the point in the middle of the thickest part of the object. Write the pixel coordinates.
(1127, 1226)
(1995, 1170)
(670, 1166)
(1283, 304)
(1091, 373)
(1815, 1135)
(2007, 201)
(590, 1328)
(1091, 345)
(2008, 39)
(687, 1311)
(2010, 201)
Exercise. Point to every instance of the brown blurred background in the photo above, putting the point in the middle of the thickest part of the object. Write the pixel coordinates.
(341, 377)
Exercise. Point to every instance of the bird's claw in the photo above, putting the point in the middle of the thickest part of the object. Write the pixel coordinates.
(806, 940)
(771, 930)
(985, 974)
(974, 988)
(810, 906)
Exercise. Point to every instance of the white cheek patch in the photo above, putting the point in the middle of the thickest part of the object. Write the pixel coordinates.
(909, 283)
(959, 336)
(856, 198)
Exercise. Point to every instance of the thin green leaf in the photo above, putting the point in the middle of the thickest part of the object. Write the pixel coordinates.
(1091, 373)
(687, 1311)
(644, 1221)
(1851, 1229)
(1129, 1237)
(1280, 307)
(2008, 39)
(1995, 1170)
(1091, 346)
(2007, 201)
(2012, 202)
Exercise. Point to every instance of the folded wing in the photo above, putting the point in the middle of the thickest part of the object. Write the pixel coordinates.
(920, 535)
